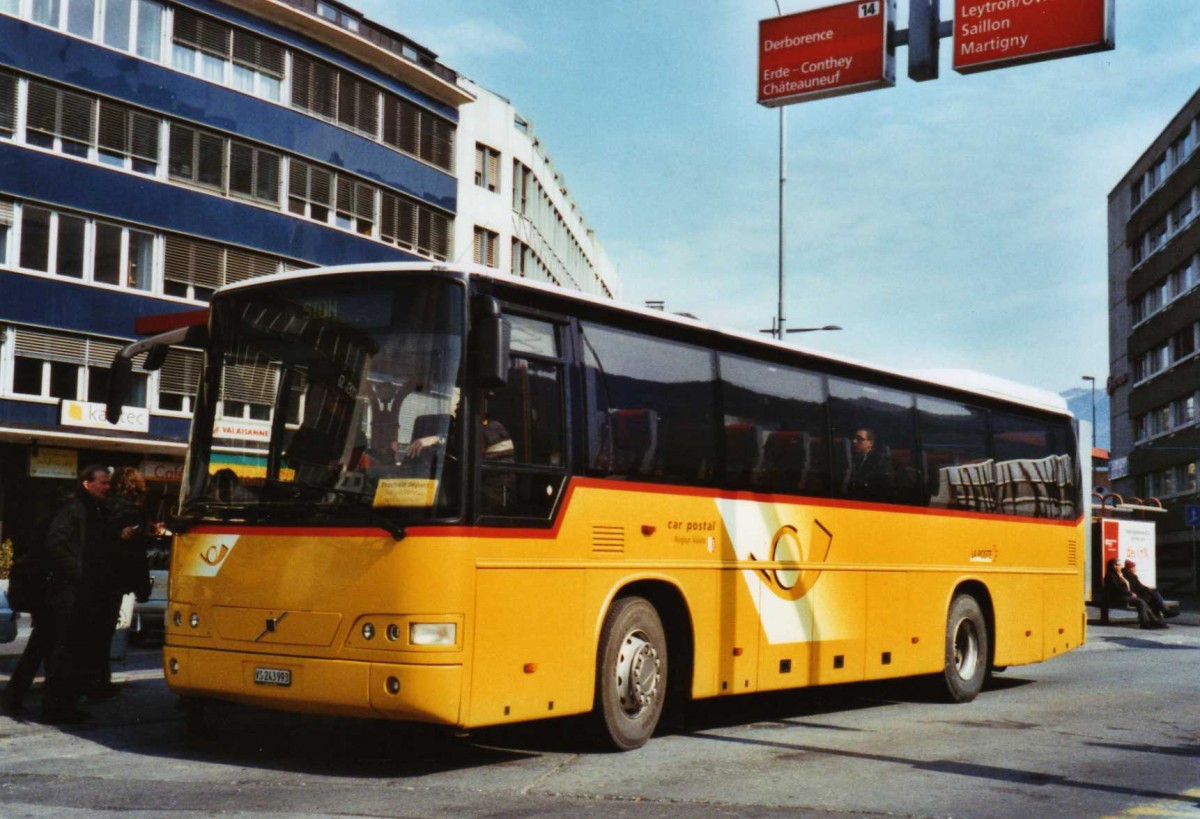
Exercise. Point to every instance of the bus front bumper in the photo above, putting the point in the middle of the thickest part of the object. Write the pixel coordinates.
(418, 693)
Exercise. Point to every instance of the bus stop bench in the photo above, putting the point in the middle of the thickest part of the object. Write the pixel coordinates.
(1104, 606)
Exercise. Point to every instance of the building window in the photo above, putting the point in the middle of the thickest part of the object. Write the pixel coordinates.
(516, 259)
(60, 120)
(220, 53)
(128, 139)
(8, 105)
(147, 29)
(355, 206)
(197, 157)
(253, 173)
(123, 257)
(6, 223)
(399, 221)
(234, 57)
(521, 181)
(358, 105)
(51, 366)
(485, 246)
(194, 270)
(35, 239)
(1183, 344)
(487, 167)
(128, 25)
(314, 87)
(414, 226)
(1181, 212)
(336, 15)
(178, 380)
(258, 66)
(191, 270)
(418, 132)
(310, 191)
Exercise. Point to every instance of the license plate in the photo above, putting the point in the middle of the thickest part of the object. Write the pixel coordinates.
(272, 676)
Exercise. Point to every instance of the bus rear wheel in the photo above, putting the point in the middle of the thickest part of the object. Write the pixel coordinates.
(967, 653)
(631, 674)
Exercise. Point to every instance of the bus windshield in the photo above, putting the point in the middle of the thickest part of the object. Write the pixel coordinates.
(331, 401)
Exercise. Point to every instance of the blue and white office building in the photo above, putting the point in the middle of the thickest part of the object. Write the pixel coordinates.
(152, 150)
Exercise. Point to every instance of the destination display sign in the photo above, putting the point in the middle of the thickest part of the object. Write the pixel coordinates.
(992, 34)
(825, 52)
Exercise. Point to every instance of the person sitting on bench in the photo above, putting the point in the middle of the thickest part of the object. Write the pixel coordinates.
(1117, 594)
(1151, 595)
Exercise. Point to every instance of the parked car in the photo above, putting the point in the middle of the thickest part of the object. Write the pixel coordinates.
(8, 617)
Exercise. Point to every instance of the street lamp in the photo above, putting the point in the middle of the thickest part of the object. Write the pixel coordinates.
(812, 329)
(1092, 379)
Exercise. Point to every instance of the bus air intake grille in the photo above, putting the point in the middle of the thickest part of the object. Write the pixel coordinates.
(608, 539)
(1072, 557)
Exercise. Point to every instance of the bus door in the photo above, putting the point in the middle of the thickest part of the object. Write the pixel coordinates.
(530, 635)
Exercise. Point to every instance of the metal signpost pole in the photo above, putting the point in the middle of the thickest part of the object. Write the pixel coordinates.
(782, 182)
(778, 325)
(1092, 379)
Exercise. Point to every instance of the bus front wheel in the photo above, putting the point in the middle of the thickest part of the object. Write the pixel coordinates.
(631, 673)
(966, 650)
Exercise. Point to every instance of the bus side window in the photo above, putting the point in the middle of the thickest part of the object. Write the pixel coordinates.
(649, 408)
(1035, 470)
(954, 455)
(874, 443)
(774, 428)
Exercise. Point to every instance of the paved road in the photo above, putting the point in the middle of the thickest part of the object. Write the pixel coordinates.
(1110, 730)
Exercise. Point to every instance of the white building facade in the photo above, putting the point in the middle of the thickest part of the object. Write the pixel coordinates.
(515, 213)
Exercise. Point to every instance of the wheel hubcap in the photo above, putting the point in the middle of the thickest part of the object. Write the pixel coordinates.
(638, 668)
(966, 649)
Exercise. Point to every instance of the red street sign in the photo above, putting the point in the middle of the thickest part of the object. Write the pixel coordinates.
(825, 52)
(1000, 33)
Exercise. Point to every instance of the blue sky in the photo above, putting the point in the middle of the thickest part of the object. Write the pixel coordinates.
(960, 222)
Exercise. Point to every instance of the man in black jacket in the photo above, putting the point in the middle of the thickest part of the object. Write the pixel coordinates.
(1151, 595)
(871, 475)
(77, 549)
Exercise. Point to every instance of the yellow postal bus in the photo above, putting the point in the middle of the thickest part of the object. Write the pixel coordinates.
(442, 495)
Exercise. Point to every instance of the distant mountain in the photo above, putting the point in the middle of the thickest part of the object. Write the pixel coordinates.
(1079, 400)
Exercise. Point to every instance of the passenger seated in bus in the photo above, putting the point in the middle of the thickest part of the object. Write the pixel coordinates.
(871, 476)
(786, 461)
(741, 453)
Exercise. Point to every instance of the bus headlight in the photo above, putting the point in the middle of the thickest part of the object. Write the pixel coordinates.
(433, 634)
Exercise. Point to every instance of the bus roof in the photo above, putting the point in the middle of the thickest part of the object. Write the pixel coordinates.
(958, 379)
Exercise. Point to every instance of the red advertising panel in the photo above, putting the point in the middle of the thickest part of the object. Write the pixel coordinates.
(999, 33)
(825, 52)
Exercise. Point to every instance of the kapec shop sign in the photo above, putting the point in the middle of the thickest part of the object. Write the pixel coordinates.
(88, 414)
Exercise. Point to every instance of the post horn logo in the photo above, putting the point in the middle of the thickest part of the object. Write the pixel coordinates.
(213, 555)
(787, 547)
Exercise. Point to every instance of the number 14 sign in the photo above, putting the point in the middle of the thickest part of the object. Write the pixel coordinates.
(825, 52)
